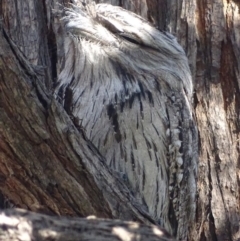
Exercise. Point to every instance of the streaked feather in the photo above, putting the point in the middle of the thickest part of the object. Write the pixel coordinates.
(130, 84)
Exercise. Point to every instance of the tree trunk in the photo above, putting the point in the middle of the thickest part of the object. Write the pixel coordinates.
(48, 165)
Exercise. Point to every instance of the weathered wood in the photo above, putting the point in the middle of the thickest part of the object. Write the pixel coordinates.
(25, 226)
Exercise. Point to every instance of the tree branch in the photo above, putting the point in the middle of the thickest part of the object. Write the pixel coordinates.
(16, 224)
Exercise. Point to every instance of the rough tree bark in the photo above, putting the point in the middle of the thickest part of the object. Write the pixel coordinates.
(46, 163)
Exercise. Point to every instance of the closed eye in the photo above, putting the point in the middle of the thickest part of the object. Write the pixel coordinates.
(129, 38)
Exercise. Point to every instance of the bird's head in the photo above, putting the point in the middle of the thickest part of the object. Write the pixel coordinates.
(102, 32)
(114, 26)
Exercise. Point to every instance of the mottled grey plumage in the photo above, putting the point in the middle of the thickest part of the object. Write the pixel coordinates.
(131, 86)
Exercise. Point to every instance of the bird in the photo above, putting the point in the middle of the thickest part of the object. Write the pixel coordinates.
(131, 86)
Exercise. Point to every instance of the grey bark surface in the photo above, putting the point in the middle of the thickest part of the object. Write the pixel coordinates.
(33, 127)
